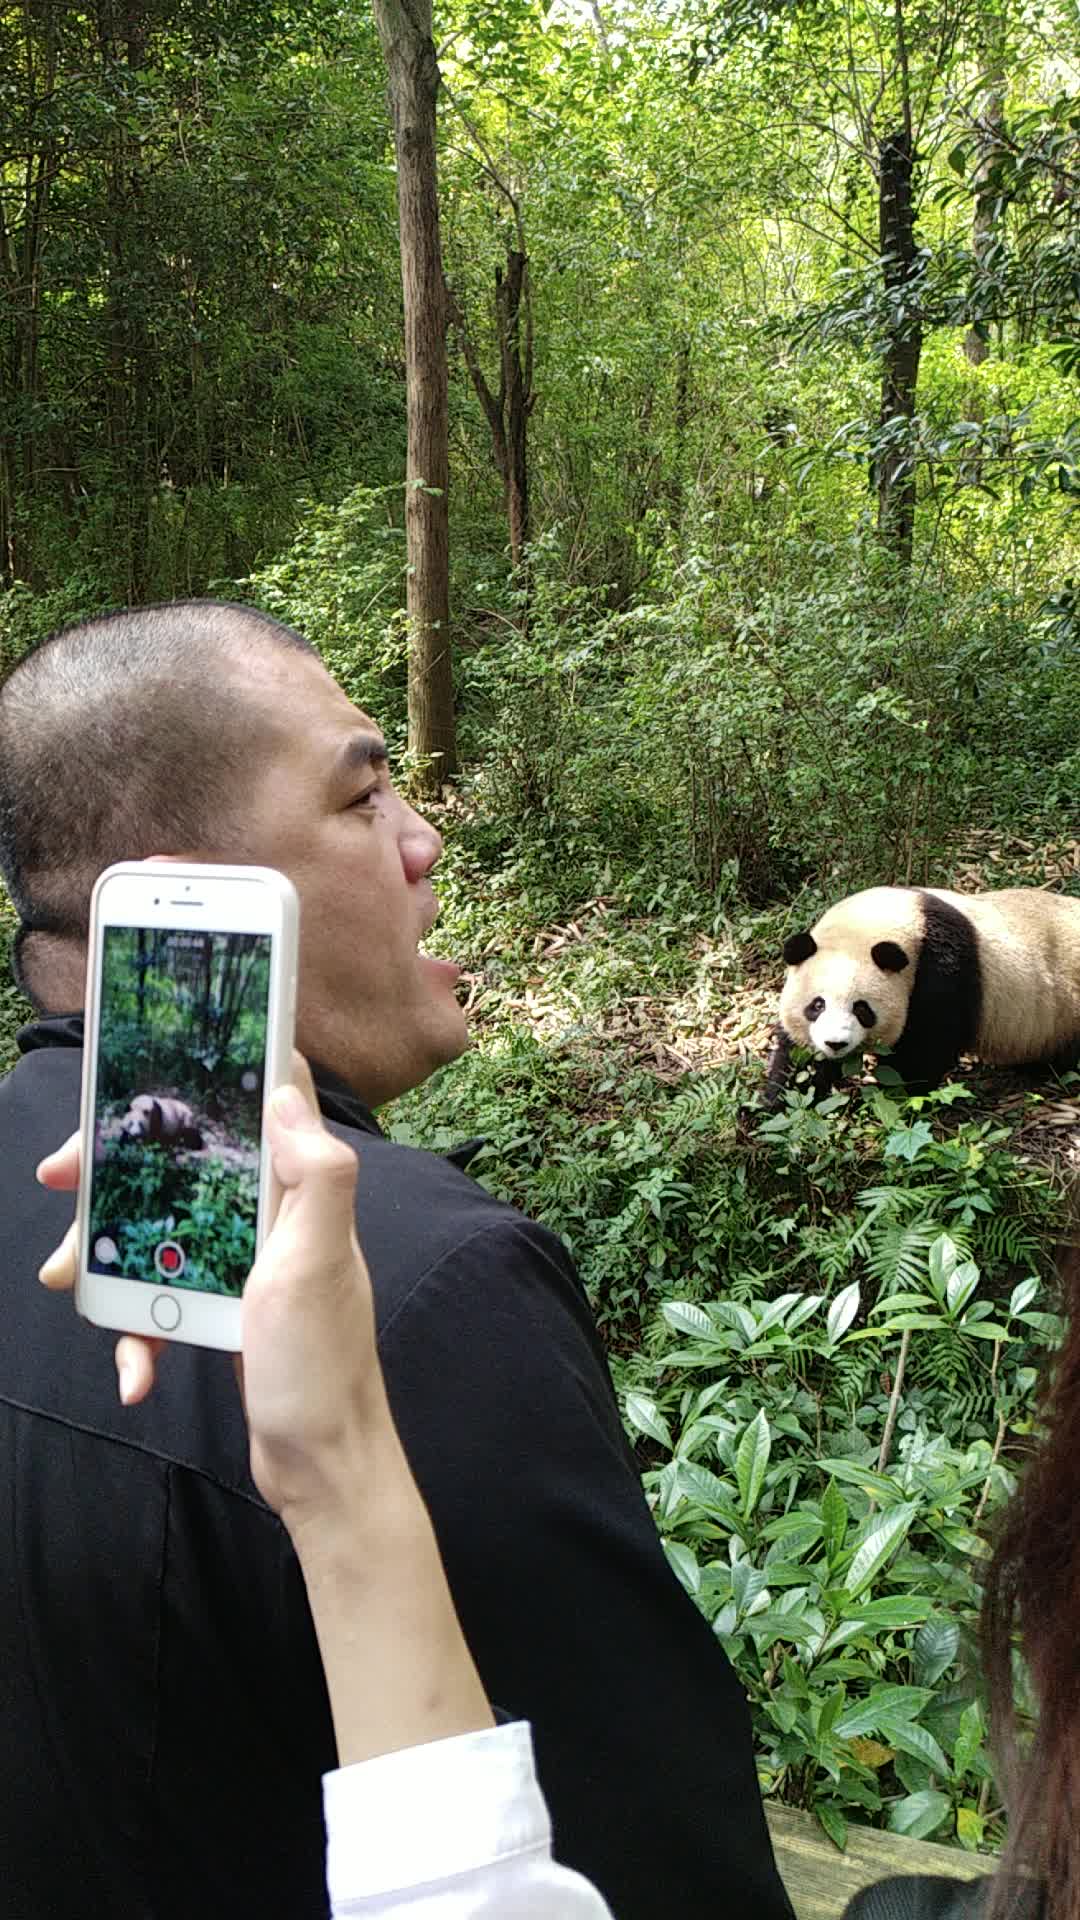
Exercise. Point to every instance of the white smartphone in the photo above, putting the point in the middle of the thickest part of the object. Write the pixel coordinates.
(190, 1009)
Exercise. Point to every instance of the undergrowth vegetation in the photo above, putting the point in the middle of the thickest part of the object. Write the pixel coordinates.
(826, 1325)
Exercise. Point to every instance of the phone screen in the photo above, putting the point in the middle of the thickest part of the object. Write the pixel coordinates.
(178, 1106)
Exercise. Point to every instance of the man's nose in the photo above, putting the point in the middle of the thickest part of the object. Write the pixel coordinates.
(421, 845)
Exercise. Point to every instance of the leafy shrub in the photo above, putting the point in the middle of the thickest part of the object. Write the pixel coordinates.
(825, 1448)
(843, 1582)
(340, 582)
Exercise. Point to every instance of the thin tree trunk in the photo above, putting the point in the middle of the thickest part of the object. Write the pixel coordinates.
(894, 1402)
(405, 31)
(22, 247)
(900, 370)
(507, 412)
(511, 289)
(677, 486)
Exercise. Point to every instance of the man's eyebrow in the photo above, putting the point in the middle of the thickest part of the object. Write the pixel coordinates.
(360, 750)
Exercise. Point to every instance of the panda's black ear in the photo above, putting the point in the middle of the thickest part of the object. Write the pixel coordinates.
(889, 957)
(799, 947)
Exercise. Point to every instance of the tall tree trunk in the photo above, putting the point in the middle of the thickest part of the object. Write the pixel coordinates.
(511, 289)
(507, 412)
(405, 31)
(900, 369)
(22, 248)
(677, 483)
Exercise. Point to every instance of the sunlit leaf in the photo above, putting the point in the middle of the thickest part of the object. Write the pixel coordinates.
(751, 1461)
(879, 1545)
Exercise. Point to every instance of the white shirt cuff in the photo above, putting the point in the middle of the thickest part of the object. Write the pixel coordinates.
(426, 1813)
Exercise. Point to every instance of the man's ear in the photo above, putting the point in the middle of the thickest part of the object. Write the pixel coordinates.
(799, 947)
(889, 957)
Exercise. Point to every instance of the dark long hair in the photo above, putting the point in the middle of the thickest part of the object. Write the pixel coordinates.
(1033, 1586)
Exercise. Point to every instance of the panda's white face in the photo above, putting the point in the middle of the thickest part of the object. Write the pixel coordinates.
(837, 1003)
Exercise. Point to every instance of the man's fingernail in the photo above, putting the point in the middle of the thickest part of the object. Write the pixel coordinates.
(290, 1107)
(126, 1381)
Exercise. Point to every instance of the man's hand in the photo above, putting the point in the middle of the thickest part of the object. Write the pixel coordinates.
(135, 1356)
(310, 1377)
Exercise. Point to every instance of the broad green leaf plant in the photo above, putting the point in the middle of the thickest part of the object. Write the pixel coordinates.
(844, 1585)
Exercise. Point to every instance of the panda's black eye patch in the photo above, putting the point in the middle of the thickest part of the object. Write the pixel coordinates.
(815, 1007)
(864, 1013)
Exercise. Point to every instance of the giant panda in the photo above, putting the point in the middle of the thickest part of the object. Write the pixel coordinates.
(931, 975)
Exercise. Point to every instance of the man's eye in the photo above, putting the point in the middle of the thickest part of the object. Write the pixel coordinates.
(363, 800)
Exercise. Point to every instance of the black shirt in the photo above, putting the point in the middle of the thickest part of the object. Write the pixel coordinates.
(164, 1718)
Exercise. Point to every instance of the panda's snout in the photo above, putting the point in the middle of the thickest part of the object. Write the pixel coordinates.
(837, 1046)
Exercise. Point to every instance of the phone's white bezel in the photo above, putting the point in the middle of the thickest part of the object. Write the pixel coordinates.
(210, 898)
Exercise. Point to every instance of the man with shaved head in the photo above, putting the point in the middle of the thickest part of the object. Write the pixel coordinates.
(165, 1721)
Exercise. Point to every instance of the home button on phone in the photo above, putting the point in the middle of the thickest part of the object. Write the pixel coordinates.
(165, 1312)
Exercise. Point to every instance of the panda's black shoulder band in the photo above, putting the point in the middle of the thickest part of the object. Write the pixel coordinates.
(945, 1010)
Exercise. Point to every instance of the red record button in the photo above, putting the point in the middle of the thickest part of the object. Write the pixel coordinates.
(169, 1259)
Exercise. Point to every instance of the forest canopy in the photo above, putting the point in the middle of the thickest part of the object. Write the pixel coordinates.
(787, 294)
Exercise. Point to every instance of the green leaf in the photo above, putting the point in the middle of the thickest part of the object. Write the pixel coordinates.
(1049, 1323)
(969, 1828)
(684, 1564)
(831, 1710)
(893, 1703)
(687, 1318)
(907, 1142)
(776, 1311)
(834, 1520)
(751, 1461)
(644, 1414)
(832, 1821)
(916, 1740)
(858, 1476)
(894, 1610)
(773, 1624)
(737, 1317)
(878, 1545)
(808, 1305)
(943, 1260)
(934, 1649)
(894, 1302)
(792, 1545)
(918, 1814)
(1022, 1295)
(842, 1312)
(914, 1776)
(961, 1286)
(696, 1483)
(969, 1739)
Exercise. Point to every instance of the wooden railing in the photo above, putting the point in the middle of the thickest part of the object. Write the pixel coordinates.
(821, 1880)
